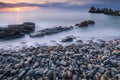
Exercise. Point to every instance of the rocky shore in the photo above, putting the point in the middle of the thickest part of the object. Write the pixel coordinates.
(98, 60)
(105, 11)
(20, 30)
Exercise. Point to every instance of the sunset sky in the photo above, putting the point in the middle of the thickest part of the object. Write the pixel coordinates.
(65, 1)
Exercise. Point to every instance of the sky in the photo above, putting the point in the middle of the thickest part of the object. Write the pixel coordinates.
(65, 1)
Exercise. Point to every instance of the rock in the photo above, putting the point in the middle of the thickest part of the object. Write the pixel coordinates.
(50, 31)
(13, 33)
(101, 70)
(75, 77)
(115, 63)
(92, 10)
(41, 71)
(117, 76)
(90, 22)
(22, 74)
(85, 23)
(1, 71)
(27, 78)
(26, 27)
(63, 63)
(16, 66)
(67, 39)
(17, 30)
(13, 72)
(104, 77)
(90, 66)
(104, 11)
(36, 64)
(49, 74)
(69, 74)
(31, 73)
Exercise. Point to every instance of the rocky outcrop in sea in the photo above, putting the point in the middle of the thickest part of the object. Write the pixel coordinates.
(16, 30)
(107, 11)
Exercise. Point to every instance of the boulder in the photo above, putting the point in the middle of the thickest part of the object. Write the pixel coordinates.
(10, 33)
(16, 30)
(104, 11)
(50, 31)
(85, 23)
(92, 10)
(26, 27)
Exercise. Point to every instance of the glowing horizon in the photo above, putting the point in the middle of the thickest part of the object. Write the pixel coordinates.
(18, 9)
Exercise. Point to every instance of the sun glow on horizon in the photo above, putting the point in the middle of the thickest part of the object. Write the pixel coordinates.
(18, 9)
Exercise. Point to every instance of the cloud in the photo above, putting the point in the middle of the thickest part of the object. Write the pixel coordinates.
(65, 1)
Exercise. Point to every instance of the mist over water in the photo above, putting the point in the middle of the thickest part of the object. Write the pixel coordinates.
(107, 27)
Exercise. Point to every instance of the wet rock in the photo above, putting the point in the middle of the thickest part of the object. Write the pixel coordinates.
(17, 30)
(13, 33)
(27, 78)
(1, 71)
(26, 27)
(13, 72)
(67, 39)
(90, 66)
(16, 66)
(63, 63)
(50, 31)
(22, 74)
(31, 73)
(104, 11)
(36, 64)
(75, 77)
(85, 23)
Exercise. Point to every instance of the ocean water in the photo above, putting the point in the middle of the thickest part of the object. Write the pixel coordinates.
(107, 27)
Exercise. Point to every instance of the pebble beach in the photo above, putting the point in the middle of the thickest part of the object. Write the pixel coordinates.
(94, 60)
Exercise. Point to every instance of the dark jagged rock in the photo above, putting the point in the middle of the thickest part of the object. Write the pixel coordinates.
(105, 11)
(92, 10)
(17, 30)
(10, 33)
(26, 27)
(50, 31)
(85, 23)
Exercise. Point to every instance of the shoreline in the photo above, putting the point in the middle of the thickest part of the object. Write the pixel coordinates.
(81, 61)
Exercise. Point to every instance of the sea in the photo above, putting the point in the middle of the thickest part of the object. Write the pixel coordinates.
(107, 27)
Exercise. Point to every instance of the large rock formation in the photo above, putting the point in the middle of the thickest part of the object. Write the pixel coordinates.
(85, 23)
(17, 30)
(50, 31)
(26, 27)
(105, 11)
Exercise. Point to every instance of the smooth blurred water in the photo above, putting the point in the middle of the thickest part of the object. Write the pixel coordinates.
(107, 27)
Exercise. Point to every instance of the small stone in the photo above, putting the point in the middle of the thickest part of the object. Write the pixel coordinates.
(13, 72)
(75, 77)
(41, 71)
(1, 71)
(29, 59)
(36, 64)
(90, 66)
(16, 66)
(31, 73)
(69, 74)
(27, 78)
(104, 77)
(63, 63)
(21, 74)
